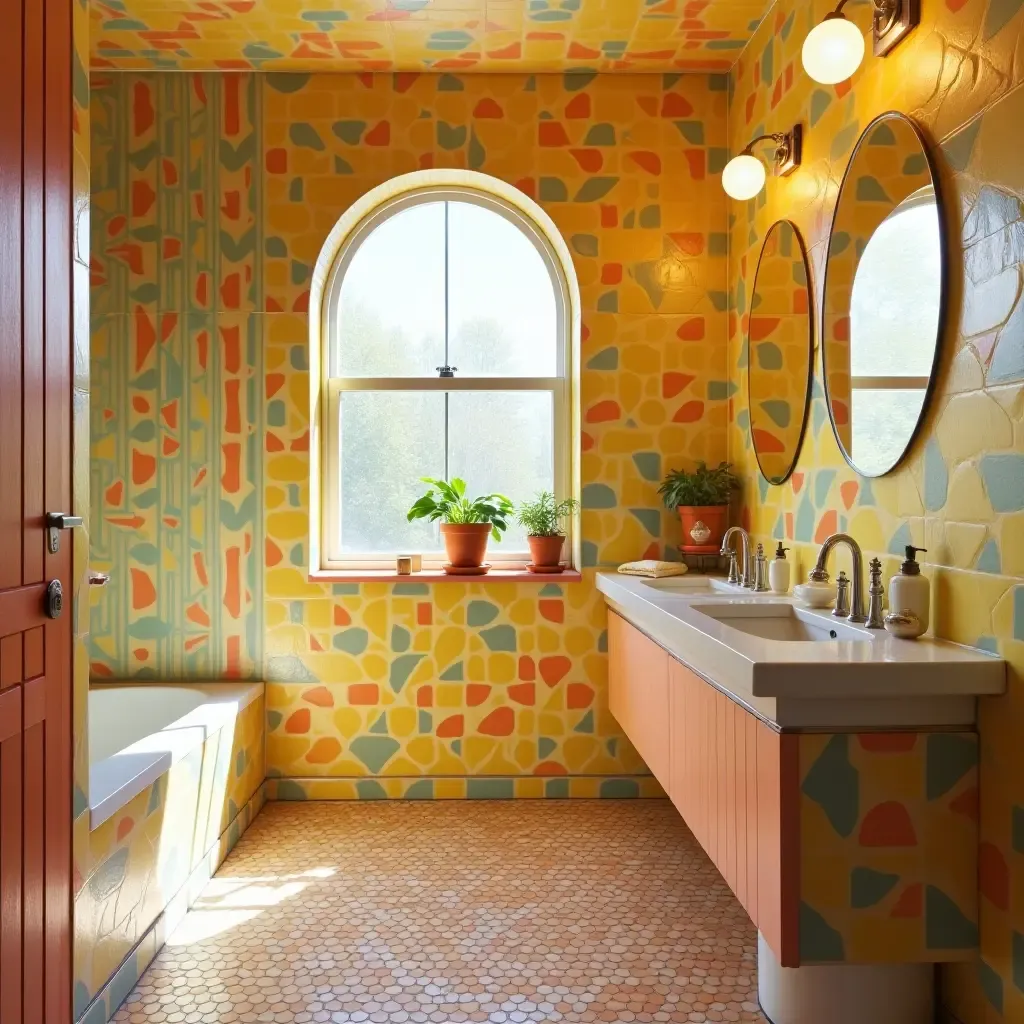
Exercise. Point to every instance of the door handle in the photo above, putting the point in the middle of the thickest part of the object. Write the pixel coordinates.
(55, 522)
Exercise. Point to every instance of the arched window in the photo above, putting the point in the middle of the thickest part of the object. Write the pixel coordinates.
(446, 341)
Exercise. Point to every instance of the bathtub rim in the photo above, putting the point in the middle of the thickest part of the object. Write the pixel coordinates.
(118, 779)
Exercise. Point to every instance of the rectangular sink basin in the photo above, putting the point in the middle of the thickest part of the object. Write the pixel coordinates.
(774, 620)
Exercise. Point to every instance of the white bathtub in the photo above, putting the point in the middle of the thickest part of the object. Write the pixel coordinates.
(138, 731)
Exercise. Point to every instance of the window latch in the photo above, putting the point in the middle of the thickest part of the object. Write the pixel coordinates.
(446, 370)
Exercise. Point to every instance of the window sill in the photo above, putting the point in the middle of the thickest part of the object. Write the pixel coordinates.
(438, 576)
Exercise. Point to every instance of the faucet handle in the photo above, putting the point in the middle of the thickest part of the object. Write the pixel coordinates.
(842, 608)
(734, 573)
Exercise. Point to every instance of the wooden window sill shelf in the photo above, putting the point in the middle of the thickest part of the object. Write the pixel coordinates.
(438, 576)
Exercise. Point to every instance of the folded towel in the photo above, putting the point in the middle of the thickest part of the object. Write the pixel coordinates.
(652, 568)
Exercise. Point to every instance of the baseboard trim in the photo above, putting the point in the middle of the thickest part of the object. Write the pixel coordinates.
(524, 787)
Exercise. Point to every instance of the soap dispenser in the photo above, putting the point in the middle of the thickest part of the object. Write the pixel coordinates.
(778, 571)
(909, 591)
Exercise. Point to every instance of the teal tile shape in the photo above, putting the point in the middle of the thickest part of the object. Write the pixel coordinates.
(823, 481)
(819, 941)
(945, 924)
(598, 496)
(401, 668)
(305, 136)
(351, 641)
(374, 751)
(936, 477)
(370, 789)
(988, 559)
(948, 758)
(585, 724)
(401, 638)
(500, 638)
(1003, 475)
(606, 359)
(481, 613)
(619, 789)
(648, 465)
(869, 887)
(649, 518)
(833, 783)
(490, 789)
(991, 985)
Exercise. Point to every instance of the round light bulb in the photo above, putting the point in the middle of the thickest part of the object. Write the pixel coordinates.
(743, 176)
(833, 50)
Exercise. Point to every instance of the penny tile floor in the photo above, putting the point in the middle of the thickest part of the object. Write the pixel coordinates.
(458, 911)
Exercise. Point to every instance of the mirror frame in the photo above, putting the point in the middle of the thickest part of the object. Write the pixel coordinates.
(944, 262)
(805, 415)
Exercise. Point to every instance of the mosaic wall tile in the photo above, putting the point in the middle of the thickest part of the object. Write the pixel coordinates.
(393, 682)
(137, 861)
(519, 787)
(177, 368)
(874, 809)
(422, 35)
(957, 493)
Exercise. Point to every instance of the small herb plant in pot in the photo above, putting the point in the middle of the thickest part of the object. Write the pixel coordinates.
(543, 518)
(702, 500)
(466, 523)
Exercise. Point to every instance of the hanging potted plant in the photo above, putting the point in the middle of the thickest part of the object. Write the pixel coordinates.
(702, 500)
(542, 519)
(465, 523)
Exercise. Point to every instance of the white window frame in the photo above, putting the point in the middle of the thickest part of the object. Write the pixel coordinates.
(332, 389)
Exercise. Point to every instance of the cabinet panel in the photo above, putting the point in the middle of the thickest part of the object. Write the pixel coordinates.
(638, 697)
(617, 700)
(728, 778)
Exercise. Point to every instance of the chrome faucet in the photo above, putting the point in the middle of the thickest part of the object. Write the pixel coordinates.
(820, 575)
(748, 574)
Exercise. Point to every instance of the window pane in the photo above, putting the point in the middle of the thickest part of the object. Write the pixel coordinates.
(391, 309)
(503, 442)
(891, 336)
(388, 441)
(503, 319)
(881, 424)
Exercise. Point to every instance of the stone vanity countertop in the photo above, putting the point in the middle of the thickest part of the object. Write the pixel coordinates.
(864, 677)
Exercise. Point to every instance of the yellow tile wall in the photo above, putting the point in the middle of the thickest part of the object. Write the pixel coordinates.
(397, 687)
(961, 491)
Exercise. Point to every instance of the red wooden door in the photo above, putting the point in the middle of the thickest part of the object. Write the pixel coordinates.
(35, 478)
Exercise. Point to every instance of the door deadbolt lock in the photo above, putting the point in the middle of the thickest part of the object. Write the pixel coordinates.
(54, 599)
(55, 522)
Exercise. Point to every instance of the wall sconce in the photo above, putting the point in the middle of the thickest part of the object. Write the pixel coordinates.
(834, 49)
(744, 175)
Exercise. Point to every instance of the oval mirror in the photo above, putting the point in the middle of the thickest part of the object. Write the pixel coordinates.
(884, 294)
(780, 347)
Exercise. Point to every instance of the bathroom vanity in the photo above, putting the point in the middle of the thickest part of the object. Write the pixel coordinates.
(830, 773)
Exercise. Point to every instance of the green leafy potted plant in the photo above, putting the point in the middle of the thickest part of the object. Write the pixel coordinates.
(542, 519)
(702, 500)
(465, 523)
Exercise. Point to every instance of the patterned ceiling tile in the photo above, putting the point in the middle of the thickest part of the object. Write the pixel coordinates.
(423, 35)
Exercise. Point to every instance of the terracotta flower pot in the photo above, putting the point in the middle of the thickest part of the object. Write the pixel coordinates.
(465, 543)
(546, 551)
(715, 518)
